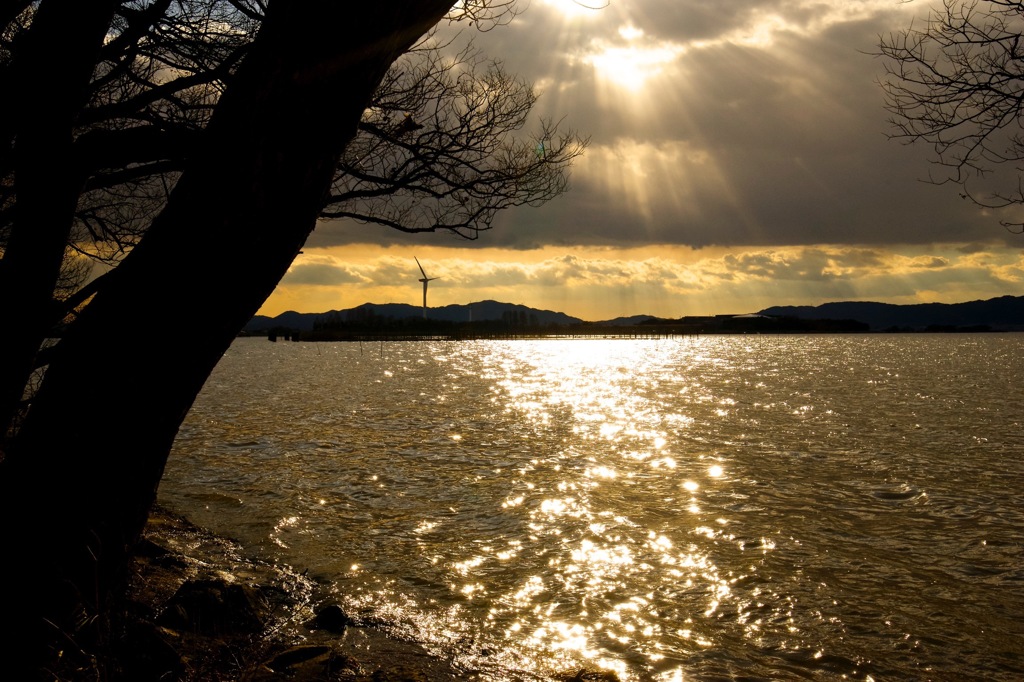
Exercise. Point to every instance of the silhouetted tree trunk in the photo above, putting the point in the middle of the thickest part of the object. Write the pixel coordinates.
(84, 468)
(48, 81)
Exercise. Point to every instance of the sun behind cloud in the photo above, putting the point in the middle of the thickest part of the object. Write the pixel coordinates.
(633, 62)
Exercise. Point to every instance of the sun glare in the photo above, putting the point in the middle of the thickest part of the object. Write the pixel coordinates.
(631, 65)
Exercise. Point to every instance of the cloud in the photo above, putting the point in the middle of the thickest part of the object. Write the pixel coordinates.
(323, 274)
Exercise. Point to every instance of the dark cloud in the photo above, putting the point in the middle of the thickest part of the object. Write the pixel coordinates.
(691, 21)
(934, 262)
(968, 249)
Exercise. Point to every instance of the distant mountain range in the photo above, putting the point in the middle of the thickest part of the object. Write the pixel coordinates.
(1005, 313)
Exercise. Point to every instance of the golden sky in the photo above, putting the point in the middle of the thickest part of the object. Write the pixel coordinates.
(599, 283)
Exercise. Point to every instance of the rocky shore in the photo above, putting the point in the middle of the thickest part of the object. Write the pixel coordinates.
(200, 611)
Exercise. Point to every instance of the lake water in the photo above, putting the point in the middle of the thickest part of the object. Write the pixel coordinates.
(708, 508)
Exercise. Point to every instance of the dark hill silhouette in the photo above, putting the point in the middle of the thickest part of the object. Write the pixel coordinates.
(628, 321)
(1003, 313)
(473, 312)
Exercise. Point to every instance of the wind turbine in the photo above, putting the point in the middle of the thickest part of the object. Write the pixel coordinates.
(424, 280)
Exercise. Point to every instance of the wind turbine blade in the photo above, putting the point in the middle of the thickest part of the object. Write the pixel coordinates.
(420, 266)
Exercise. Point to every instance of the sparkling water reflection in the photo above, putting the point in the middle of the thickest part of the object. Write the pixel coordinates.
(769, 507)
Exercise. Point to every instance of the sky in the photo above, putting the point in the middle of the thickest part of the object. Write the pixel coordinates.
(740, 157)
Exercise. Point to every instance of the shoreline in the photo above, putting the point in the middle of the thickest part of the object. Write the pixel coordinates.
(203, 611)
(292, 640)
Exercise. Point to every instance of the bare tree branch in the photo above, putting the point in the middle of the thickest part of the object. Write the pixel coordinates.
(442, 148)
(956, 83)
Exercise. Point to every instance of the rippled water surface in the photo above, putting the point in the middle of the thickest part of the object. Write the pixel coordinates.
(808, 507)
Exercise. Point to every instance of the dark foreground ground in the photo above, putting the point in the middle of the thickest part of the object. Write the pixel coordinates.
(202, 612)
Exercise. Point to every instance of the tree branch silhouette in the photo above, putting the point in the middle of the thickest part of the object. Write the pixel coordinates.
(956, 83)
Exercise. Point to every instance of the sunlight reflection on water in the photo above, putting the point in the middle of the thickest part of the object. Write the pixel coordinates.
(768, 506)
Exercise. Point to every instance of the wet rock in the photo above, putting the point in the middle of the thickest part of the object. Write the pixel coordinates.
(331, 618)
(297, 656)
(157, 554)
(308, 663)
(215, 607)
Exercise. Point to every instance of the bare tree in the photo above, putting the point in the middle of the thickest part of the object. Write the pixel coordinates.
(272, 123)
(956, 83)
(440, 148)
